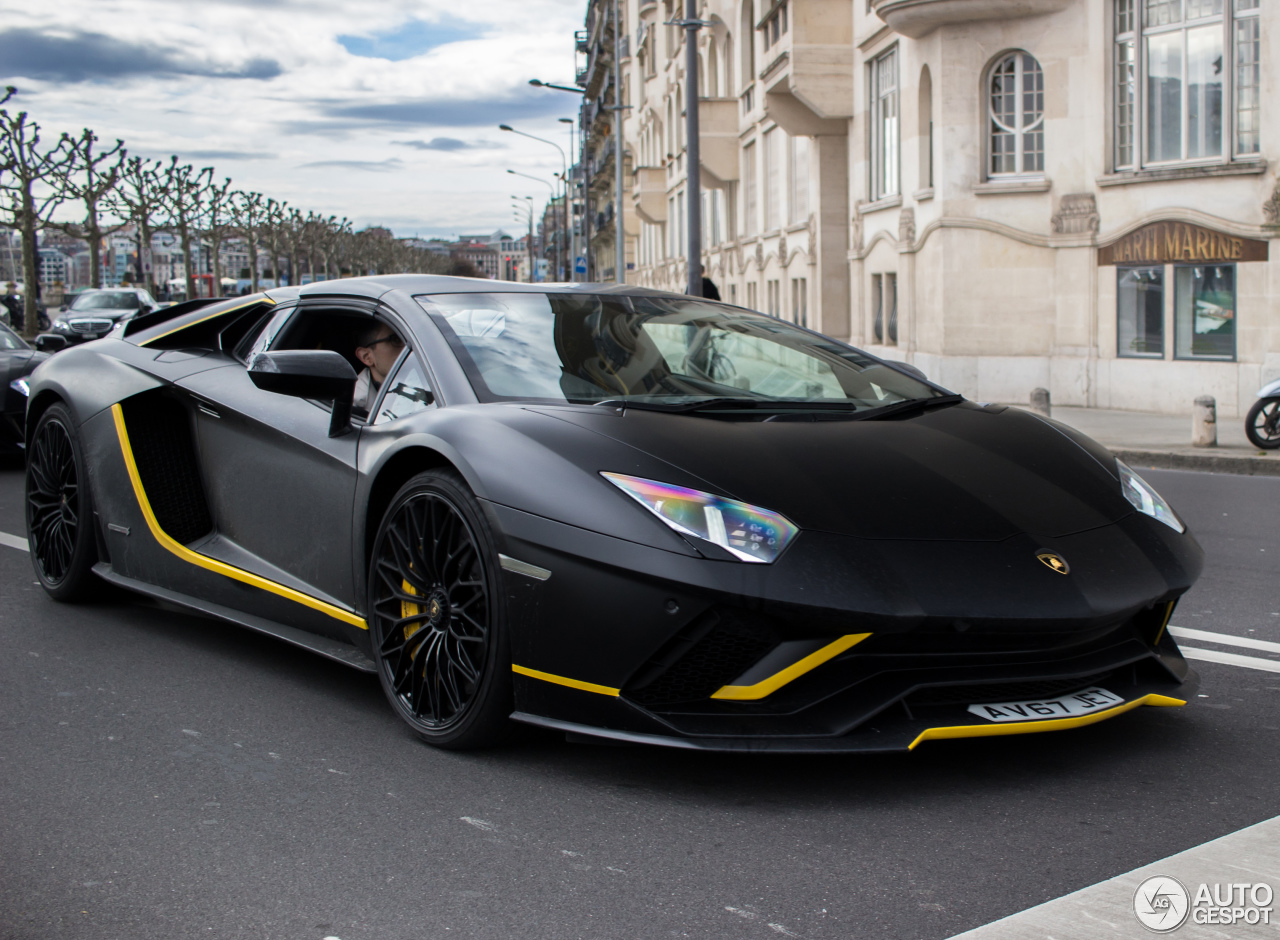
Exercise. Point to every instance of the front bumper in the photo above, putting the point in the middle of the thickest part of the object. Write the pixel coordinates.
(636, 644)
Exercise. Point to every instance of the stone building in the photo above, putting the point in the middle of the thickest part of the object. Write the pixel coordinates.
(1074, 194)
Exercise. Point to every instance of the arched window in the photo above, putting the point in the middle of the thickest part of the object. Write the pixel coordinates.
(747, 35)
(1016, 111)
(712, 72)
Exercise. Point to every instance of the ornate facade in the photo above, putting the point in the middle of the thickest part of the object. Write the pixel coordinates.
(1010, 194)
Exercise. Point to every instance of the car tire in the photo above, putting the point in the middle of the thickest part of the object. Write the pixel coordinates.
(59, 509)
(436, 617)
(1262, 424)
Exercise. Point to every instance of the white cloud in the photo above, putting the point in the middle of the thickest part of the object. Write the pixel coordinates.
(310, 122)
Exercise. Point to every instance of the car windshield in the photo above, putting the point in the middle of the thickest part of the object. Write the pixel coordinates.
(663, 352)
(10, 339)
(106, 300)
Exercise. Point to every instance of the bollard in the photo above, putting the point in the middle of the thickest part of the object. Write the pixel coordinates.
(1204, 422)
(1040, 401)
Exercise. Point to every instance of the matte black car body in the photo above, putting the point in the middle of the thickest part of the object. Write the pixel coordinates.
(17, 359)
(913, 590)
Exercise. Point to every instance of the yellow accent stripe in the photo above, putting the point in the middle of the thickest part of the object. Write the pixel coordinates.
(1031, 727)
(747, 693)
(212, 564)
(561, 680)
(217, 313)
(1168, 615)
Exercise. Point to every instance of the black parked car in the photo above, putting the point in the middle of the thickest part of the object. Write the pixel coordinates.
(610, 511)
(94, 313)
(17, 359)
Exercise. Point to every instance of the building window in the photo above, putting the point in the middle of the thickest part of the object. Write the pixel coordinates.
(884, 125)
(774, 26)
(1140, 312)
(1187, 81)
(800, 300)
(775, 142)
(799, 179)
(877, 308)
(1016, 111)
(1204, 311)
(773, 291)
(750, 189)
(891, 305)
(751, 296)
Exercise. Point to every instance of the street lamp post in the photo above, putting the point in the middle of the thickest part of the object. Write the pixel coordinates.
(586, 174)
(552, 203)
(569, 204)
(528, 244)
(564, 166)
(693, 156)
(620, 234)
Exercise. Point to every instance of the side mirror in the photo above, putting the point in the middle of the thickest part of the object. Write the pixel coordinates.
(306, 373)
(50, 342)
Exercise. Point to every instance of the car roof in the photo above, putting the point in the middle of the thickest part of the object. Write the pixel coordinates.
(378, 285)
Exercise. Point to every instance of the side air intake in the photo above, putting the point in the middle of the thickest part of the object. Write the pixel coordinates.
(160, 435)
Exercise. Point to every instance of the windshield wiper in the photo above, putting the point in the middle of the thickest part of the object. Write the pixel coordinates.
(888, 411)
(730, 404)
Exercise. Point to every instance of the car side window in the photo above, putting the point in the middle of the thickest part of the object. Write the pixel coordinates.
(259, 336)
(408, 391)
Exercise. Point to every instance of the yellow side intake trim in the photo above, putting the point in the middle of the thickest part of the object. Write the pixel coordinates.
(748, 693)
(212, 564)
(561, 680)
(217, 313)
(1031, 727)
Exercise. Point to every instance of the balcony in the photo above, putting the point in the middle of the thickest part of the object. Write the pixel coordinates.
(718, 139)
(808, 75)
(917, 18)
(650, 194)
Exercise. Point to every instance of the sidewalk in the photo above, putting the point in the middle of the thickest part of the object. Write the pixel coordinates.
(1164, 441)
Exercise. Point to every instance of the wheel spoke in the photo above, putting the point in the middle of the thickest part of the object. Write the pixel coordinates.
(427, 552)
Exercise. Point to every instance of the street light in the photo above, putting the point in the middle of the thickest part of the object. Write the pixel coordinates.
(586, 176)
(693, 158)
(546, 184)
(573, 227)
(528, 244)
(564, 166)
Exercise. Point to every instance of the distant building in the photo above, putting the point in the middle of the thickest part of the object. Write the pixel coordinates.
(54, 267)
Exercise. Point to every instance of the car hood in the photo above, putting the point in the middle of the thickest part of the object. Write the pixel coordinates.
(963, 471)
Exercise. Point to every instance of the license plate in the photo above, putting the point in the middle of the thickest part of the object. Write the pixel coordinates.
(1064, 706)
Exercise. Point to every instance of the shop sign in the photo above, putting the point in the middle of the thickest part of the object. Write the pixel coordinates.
(1172, 242)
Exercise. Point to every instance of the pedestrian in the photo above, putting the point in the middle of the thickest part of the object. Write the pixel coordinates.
(13, 305)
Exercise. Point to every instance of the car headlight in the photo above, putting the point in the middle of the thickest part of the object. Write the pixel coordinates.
(61, 326)
(22, 387)
(1145, 499)
(747, 532)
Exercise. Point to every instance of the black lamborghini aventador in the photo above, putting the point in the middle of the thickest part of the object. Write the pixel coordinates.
(610, 511)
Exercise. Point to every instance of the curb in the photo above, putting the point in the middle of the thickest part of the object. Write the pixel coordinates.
(1205, 463)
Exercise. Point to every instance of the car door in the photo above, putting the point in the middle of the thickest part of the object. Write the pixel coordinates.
(280, 488)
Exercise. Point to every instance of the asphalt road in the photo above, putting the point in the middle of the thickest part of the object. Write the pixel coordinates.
(165, 776)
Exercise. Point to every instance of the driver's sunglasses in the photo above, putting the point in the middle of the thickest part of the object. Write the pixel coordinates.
(392, 339)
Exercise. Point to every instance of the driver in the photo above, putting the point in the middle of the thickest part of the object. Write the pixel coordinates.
(378, 347)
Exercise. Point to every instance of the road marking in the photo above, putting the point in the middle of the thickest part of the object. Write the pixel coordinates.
(1204, 636)
(1231, 659)
(13, 541)
(1105, 911)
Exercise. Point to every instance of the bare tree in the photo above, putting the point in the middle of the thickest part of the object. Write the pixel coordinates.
(93, 177)
(295, 233)
(30, 175)
(219, 225)
(275, 228)
(138, 195)
(185, 198)
(249, 216)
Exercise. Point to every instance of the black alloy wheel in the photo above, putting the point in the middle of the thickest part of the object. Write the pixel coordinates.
(1262, 424)
(59, 509)
(435, 615)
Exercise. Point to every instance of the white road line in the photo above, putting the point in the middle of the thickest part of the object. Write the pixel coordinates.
(1226, 639)
(13, 541)
(1105, 910)
(1232, 659)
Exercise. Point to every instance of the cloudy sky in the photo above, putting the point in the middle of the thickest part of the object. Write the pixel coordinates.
(385, 111)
